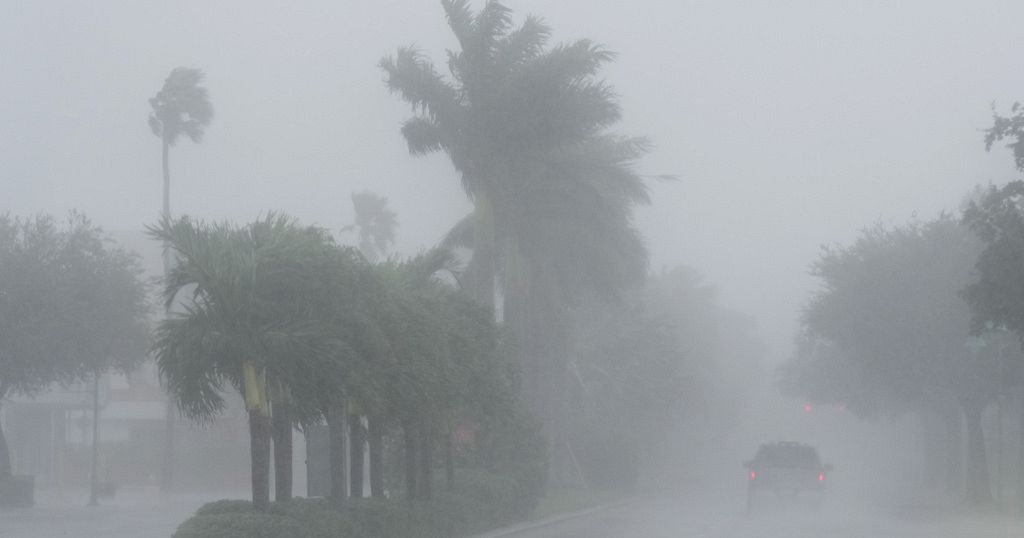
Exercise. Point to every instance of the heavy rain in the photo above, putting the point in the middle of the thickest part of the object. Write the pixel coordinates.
(467, 268)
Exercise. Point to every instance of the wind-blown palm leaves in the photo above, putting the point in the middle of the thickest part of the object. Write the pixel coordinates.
(253, 303)
(374, 223)
(527, 127)
(181, 108)
(297, 324)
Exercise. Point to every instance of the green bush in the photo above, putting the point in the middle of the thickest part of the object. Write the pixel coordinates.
(480, 501)
(224, 506)
(244, 525)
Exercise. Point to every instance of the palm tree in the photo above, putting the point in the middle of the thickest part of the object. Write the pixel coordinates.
(181, 107)
(374, 223)
(553, 190)
(250, 320)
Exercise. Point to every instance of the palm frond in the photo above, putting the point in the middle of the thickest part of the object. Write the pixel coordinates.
(521, 45)
(413, 76)
(422, 135)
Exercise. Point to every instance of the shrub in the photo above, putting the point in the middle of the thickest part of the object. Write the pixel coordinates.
(224, 506)
(480, 501)
(243, 525)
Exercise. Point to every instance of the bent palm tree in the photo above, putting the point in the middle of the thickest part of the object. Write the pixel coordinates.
(553, 190)
(181, 107)
(246, 321)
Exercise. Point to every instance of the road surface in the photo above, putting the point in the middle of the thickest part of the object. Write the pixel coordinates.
(698, 514)
(679, 517)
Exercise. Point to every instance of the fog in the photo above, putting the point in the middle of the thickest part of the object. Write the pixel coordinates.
(788, 126)
(784, 127)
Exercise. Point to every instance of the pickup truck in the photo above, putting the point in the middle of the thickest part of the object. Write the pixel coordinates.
(786, 469)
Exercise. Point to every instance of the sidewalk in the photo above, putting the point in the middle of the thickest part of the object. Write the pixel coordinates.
(139, 512)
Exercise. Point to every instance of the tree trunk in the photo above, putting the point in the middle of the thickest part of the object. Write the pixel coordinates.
(94, 479)
(426, 463)
(484, 268)
(259, 442)
(167, 463)
(167, 178)
(449, 460)
(357, 441)
(977, 481)
(409, 436)
(953, 452)
(376, 435)
(282, 452)
(934, 448)
(336, 427)
(5, 454)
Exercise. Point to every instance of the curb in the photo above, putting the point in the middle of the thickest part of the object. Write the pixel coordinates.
(518, 528)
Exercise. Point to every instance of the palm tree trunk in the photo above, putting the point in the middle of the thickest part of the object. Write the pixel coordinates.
(259, 444)
(409, 436)
(282, 452)
(336, 430)
(167, 464)
(376, 442)
(357, 441)
(167, 177)
(484, 253)
(979, 489)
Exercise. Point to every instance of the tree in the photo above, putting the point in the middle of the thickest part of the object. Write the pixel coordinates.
(181, 107)
(526, 126)
(654, 374)
(374, 223)
(71, 306)
(1011, 127)
(997, 217)
(890, 318)
(250, 320)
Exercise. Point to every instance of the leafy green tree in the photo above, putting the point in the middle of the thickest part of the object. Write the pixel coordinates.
(249, 320)
(665, 366)
(527, 128)
(890, 318)
(71, 305)
(1011, 127)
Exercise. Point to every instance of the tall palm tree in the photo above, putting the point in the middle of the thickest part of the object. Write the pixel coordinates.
(249, 320)
(181, 107)
(527, 127)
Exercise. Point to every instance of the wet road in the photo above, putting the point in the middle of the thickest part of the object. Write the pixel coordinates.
(673, 517)
(146, 514)
(133, 513)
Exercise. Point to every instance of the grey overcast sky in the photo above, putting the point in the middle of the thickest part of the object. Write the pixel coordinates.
(789, 124)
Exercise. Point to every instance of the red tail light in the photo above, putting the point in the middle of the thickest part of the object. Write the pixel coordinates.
(753, 475)
(821, 477)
